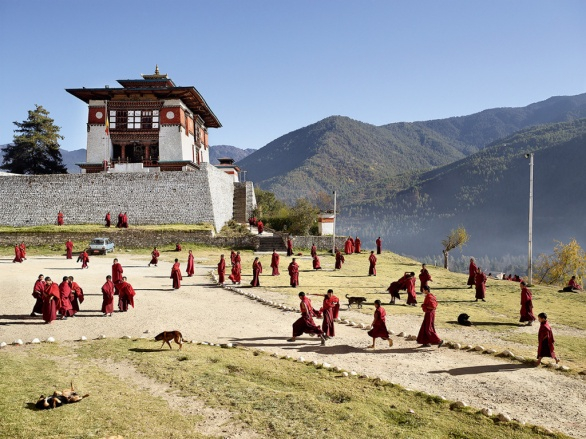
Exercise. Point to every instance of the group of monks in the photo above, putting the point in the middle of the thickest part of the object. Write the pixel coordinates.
(19, 252)
(122, 219)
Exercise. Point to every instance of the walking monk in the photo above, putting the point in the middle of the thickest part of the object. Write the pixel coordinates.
(222, 270)
(17, 254)
(108, 220)
(190, 264)
(85, 259)
(154, 257)
(339, 260)
(305, 323)
(108, 297)
(126, 295)
(38, 290)
(176, 275)
(372, 260)
(236, 274)
(480, 284)
(23, 250)
(410, 285)
(232, 257)
(526, 305)
(76, 293)
(260, 226)
(275, 259)
(116, 272)
(546, 341)
(330, 310)
(379, 325)
(472, 269)
(51, 300)
(357, 244)
(293, 273)
(256, 271)
(313, 250)
(424, 277)
(379, 245)
(316, 263)
(69, 249)
(427, 335)
(349, 246)
(289, 247)
(60, 218)
(66, 309)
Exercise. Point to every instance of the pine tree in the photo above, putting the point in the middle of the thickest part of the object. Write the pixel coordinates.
(36, 146)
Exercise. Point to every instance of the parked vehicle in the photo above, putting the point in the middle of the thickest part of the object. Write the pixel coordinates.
(101, 246)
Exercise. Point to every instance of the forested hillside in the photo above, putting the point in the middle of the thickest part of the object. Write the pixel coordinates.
(218, 151)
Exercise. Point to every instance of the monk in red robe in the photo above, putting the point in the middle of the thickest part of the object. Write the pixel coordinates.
(427, 335)
(349, 246)
(313, 250)
(357, 244)
(409, 283)
(125, 220)
(480, 284)
(526, 305)
(573, 284)
(546, 341)
(155, 254)
(472, 269)
(23, 250)
(190, 270)
(293, 270)
(17, 254)
(176, 274)
(339, 260)
(236, 274)
(232, 257)
(108, 297)
(178, 247)
(397, 286)
(275, 259)
(256, 271)
(305, 324)
(120, 220)
(117, 271)
(379, 245)
(126, 295)
(108, 220)
(69, 249)
(66, 309)
(316, 263)
(38, 290)
(60, 217)
(76, 294)
(330, 311)
(237, 258)
(424, 278)
(289, 247)
(372, 260)
(379, 325)
(85, 259)
(222, 270)
(51, 300)
(260, 226)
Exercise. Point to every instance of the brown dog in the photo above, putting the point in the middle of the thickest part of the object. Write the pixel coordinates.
(167, 336)
(67, 396)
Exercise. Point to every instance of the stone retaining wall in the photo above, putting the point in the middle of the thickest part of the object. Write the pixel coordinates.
(322, 243)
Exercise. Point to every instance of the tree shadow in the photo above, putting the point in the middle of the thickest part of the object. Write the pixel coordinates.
(145, 350)
(328, 350)
(474, 370)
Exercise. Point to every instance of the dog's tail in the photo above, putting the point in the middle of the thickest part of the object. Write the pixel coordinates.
(347, 297)
(86, 395)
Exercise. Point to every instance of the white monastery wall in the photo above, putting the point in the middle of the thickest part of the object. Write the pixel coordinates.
(170, 147)
(221, 192)
(98, 147)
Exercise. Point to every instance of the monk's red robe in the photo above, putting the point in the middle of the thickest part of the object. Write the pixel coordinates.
(108, 220)
(339, 260)
(178, 247)
(117, 271)
(69, 250)
(575, 285)
(409, 283)
(108, 297)
(38, 290)
(357, 244)
(546, 341)
(379, 246)
(232, 257)
(330, 311)
(313, 251)
(526, 306)
(424, 278)
(305, 323)
(120, 221)
(480, 284)
(190, 270)
(236, 274)
(17, 254)
(126, 296)
(260, 226)
(23, 251)
(176, 275)
(66, 309)
(275, 259)
(289, 247)
(394, 289)
(155, 257)
(77, 296)
(379, 324)
(238, 258)
(349, 246)
(427, 334)
(293, 274)
(59, 219)
(125, 221)
(256, 271)
(316, 263)
(51, 302)
(85, 259)
(372, 267)
(222, 271)
(472, 269)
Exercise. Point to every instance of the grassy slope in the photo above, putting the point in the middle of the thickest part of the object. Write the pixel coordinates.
(276, 398)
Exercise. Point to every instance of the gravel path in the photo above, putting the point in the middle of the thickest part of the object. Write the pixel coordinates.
(203, 311)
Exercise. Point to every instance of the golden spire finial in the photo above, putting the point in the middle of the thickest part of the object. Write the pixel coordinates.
(156, 69)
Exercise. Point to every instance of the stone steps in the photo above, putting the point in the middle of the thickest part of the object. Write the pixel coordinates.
(268, 243)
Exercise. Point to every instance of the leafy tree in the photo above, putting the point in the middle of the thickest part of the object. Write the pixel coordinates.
(36, 146)
(267, 204)
(456, 239)
(303, 217)
(566, 261)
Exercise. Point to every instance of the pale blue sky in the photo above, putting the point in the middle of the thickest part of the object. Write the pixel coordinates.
(269, 67)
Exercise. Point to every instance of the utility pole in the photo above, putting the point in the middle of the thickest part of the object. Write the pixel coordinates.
(334, 234)
(530, 252)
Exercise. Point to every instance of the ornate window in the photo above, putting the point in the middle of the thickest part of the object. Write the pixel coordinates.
(134, 119)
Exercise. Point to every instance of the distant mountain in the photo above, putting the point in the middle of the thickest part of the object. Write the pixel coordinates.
(70, 158)
(344, 154)
(487, 193)
(219, 151)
